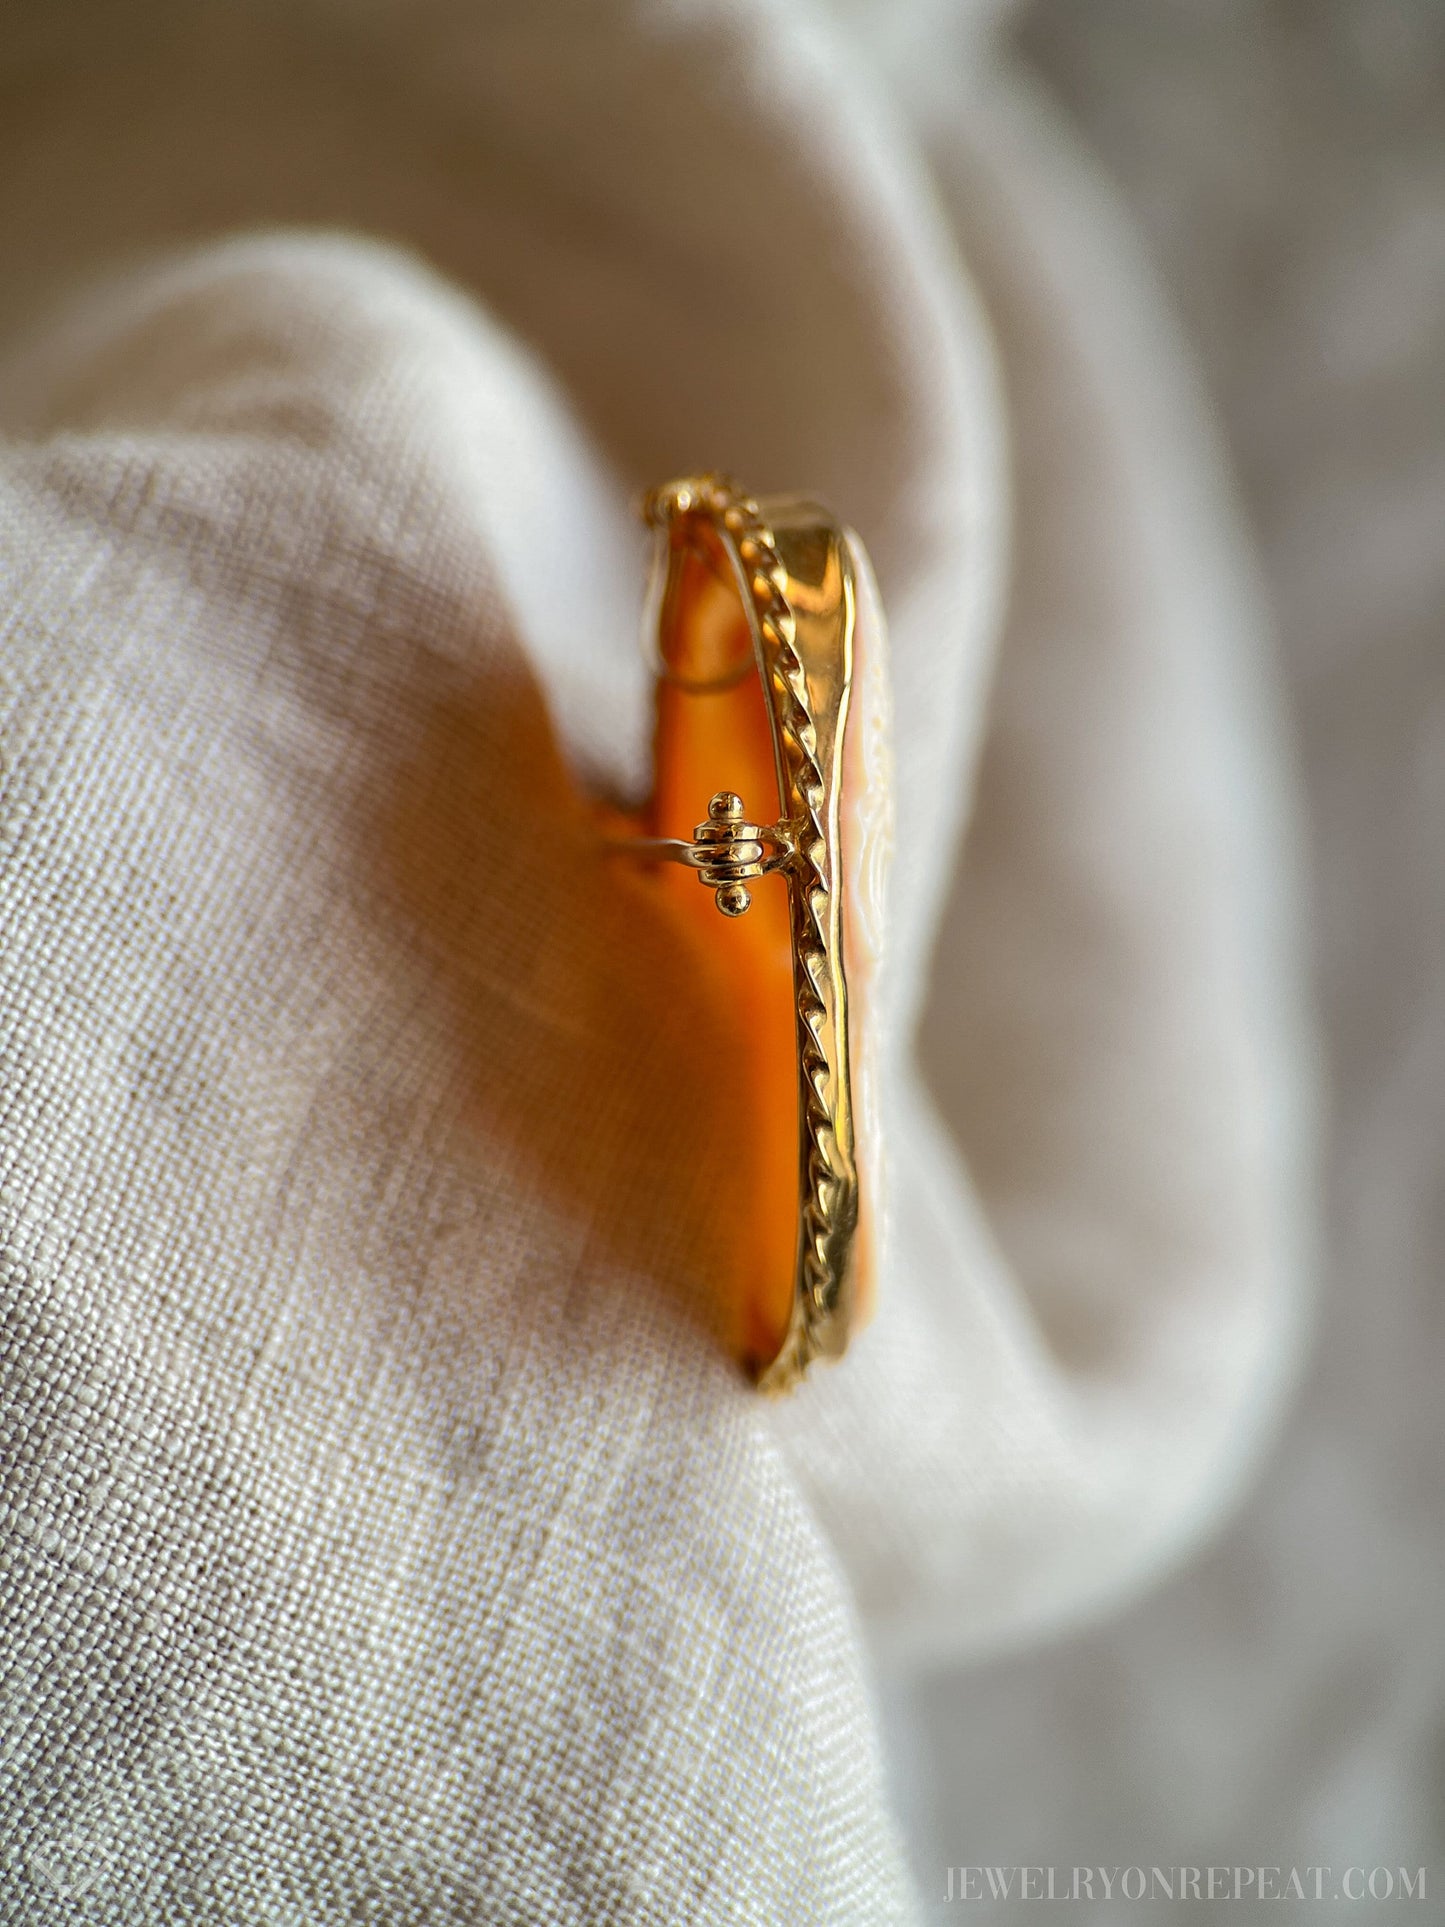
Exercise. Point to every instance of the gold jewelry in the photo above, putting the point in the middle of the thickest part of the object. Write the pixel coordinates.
(771, 586)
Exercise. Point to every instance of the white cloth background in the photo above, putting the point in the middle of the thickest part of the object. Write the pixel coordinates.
(1282, 1700)
(382, 1535)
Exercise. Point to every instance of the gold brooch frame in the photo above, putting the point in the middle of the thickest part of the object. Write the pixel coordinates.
(795, 578)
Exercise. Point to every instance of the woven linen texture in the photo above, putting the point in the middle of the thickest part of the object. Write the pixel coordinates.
(384, 1537)
(380, 1544)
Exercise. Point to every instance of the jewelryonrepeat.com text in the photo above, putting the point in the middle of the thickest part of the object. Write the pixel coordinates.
(1184, 1883)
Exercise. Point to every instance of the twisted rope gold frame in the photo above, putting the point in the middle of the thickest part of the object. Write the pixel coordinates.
(795, 578)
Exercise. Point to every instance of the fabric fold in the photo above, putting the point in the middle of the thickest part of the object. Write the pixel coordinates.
(386, 1530)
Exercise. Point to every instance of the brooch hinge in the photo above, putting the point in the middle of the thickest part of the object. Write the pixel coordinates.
(727, 851)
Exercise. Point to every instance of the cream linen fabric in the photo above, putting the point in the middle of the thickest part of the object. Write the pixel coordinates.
(1283, 1701)
(384, 1540)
